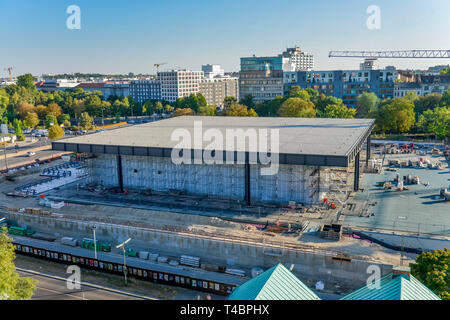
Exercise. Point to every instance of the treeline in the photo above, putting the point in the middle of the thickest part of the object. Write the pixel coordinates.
(22, 105)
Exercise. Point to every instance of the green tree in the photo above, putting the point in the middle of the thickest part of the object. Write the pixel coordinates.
(445, 101)
(50, 120)
(26, 81)
(366, 102)
(4, 102)
(18, 130)
(297, 92)
(228, 102)
(396, 115)
(168, 108)
(338, 111)
(269, 108)
(248, 101)
(436, 121)
(428, 102)
(55, 132)
(239, 110)
(12, 286)
(31, 120)
(432, 269)
(207, 111)
(86, 121)
(159, 107)
(296, 107)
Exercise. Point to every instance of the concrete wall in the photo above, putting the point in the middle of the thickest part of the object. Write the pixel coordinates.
(307, 265)
(291, 183)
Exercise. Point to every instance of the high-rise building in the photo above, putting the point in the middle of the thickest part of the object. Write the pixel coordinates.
(301, 61)
(262, 77)
(216, 89)
(212, 71)
(179, 83)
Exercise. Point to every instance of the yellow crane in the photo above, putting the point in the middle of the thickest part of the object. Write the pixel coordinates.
(157, 65)
(9, 69)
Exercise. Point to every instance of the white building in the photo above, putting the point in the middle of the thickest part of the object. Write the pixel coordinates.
(301, 61)
(212, 71)
(179, 83)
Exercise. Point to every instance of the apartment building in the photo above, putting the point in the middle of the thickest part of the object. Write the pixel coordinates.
(142, 90)
(301, 61)
(344, 84)
(179, 83)
(216, 89)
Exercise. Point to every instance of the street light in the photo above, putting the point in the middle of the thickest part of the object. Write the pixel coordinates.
(95, 243)
(122, 245)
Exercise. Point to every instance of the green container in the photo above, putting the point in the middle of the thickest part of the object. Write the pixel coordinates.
(131, 253)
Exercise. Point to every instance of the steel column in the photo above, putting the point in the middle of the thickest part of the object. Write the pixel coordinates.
(119, 172)
(356, 178)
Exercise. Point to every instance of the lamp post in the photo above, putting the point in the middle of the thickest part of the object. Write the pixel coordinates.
(122, 245)
(4, 145)
(95, 243)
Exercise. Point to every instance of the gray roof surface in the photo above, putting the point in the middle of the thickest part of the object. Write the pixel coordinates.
(305, 136)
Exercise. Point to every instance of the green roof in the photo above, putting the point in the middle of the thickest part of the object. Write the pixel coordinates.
(394, 287)
(277, 283)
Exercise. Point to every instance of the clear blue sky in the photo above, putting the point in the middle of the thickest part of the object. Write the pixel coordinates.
(130, 36)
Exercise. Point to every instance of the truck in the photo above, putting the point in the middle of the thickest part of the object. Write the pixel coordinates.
(68, 241)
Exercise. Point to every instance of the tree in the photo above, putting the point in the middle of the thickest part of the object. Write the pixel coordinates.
(18, 130)
(86, 121)
(445, 101)
(366, 102)
(41, 111)
(248, 101)
(396, 115)
(338, 111)
(269, 108)
(239, 110)
(323, 101)
(159, 107)
(183, 112)
(296, 107)
(4, 102)
(207, 111)
(428, 102)
(168, 108)
(31, 120)
(432, 269)
(12, 286)
(50, 120)
(436, 121)
(54, 109)
(23, 109)
(228, 102)
(55, 132)
(297, 92)
(26, 81)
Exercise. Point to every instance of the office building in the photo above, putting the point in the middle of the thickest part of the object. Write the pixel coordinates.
(215, 90)
(179, 83)
(142, 90)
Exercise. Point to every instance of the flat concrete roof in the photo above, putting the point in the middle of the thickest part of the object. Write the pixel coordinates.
(304, 141)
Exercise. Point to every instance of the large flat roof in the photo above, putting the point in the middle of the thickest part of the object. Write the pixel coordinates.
(303, 141)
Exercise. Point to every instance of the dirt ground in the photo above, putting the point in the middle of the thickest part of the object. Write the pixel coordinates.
(355, 248)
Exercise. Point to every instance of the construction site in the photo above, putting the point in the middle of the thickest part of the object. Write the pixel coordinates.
(320, 213)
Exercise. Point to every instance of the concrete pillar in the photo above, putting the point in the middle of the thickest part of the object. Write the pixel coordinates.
(247, 196)
(356, 178)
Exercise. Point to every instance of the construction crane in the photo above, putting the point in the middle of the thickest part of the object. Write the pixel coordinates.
(408, 54)
(157, 65)
(9, 69)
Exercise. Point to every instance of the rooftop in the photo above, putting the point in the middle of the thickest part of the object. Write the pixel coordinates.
(277, 283)
(393, 286)
(311, 141)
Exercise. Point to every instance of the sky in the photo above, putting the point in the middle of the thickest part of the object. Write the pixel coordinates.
(130, 36)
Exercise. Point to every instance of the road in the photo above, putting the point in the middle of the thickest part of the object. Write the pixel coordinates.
(54, 288)
(13, 161)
